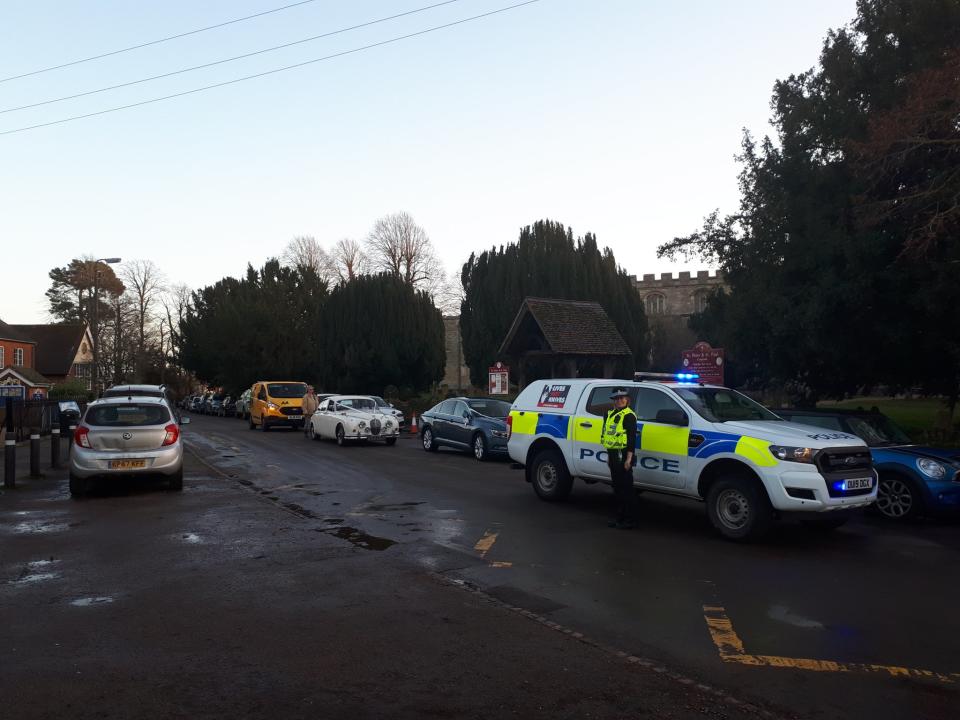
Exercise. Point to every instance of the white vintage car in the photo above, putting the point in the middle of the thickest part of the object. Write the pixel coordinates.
(352, 418)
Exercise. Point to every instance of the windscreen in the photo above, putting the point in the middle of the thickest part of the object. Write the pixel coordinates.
(132, 415)
(877, 430)
(490, 408)
(286, 390)
(724, 405)
(359, 403)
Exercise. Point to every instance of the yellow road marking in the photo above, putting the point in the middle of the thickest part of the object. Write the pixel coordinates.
(731, 650)
(485, 543)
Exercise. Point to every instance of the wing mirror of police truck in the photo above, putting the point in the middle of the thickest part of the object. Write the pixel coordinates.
(672, 417)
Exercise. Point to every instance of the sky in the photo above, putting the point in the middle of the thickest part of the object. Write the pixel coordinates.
(616, 117)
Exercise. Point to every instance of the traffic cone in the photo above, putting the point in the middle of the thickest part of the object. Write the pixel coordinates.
(413, 425)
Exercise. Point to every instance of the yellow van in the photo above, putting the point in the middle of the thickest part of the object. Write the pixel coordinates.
(277, 402)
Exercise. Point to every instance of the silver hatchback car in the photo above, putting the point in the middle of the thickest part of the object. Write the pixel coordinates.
(126, 437)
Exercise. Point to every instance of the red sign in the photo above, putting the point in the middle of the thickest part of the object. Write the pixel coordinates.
(705, 361)
(499, 379)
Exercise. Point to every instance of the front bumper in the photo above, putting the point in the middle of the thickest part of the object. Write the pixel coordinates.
(85, 462)
(807, 491)
(365, 434)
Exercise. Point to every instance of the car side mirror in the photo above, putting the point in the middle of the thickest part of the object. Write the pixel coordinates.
(672, 417)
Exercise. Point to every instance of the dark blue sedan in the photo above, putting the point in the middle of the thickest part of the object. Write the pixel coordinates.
(476, 425)
(914, 480)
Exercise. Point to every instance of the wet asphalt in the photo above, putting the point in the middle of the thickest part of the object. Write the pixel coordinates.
(298, 577)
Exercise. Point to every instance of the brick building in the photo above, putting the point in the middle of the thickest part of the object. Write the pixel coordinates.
(669, 302)
(18, 377)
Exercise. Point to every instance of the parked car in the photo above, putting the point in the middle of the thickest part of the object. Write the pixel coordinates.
(476, 425)
(913, 480)
(389, 409)
(205, 403)
(242, 408)
(215, 405)
(276, 402)
(228, 408)
(196, 404)
(356, 418)
(158, 391)
(69, 413)
(126, 437)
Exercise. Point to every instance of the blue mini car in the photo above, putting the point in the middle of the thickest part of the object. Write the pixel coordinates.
(477, 425)
(914, 480)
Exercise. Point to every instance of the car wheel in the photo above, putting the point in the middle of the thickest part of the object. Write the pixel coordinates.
(176, 481)
(264, 425)
(341, 440)
(898, 498)
(391, 441)
(429, 442)
(253, 425)
(312, 432)
(739, 508)
(78, 486)
(551, 479)
(480, 447)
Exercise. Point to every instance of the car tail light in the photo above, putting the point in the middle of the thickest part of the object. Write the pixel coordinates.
(173, 432)
(509, 426)
(80, 436)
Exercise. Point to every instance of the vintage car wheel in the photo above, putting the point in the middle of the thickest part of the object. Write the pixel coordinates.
(312, 432)
(341, 439)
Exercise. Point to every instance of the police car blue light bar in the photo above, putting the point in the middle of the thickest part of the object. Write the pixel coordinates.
(679, 377)
(686, 376)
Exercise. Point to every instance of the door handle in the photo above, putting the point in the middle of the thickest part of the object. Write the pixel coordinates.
(586, 424)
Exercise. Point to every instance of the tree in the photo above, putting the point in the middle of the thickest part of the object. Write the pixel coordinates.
(145, 284)
(841, 259)
(264, 325)
(305, 251)
(397, 245)
(378, 331)
(349, 260)
(547, 262)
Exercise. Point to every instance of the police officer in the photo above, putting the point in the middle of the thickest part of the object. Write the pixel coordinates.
(620, 439)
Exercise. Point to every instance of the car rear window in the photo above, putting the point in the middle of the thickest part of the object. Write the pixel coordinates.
(127, 393)
(132, 415)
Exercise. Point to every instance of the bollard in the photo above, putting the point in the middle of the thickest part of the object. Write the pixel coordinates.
(34, 454)
(55, 447)
(73, 429)
(10, 451)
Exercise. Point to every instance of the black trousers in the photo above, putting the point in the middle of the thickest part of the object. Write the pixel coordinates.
(622, 485)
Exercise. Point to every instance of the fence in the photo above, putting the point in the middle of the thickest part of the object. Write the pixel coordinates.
(34, 415)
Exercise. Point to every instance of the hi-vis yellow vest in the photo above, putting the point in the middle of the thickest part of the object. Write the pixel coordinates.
(614, 436)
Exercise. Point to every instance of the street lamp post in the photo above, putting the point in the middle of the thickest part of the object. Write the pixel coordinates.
(96, 321)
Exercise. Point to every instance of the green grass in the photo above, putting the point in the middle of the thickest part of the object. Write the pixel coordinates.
(918, 417)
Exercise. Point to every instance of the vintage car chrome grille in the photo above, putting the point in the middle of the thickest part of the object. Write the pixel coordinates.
(375, 426)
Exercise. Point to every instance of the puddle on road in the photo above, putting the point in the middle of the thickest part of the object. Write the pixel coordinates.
(358, 538)
(394, 506)
(87, 602)
(39, 526)
(34, 578)
(191, 538)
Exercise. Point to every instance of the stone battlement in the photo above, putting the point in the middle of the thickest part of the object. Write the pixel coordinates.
(705, 278)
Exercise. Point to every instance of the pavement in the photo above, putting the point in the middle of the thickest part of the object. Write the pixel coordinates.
(297, 579)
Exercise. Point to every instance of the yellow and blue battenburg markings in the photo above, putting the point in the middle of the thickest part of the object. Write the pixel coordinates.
(665, 439)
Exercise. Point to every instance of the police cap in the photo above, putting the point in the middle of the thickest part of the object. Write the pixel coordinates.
(618, 393)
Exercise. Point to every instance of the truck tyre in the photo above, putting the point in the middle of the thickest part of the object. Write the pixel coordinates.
(739, 508)
(551, 479)
(898, 499)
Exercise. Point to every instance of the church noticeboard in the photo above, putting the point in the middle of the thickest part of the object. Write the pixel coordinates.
(499, 379)
(705, 361)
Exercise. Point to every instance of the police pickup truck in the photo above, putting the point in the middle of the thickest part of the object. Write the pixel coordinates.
(699, 441)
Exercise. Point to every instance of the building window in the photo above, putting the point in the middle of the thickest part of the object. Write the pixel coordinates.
(700, 300)
(18, 356)
(656, 304)
(2, 360)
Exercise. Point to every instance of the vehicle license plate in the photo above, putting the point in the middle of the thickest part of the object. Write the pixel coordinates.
(859, 484)
(296, 417)
(127, 464)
